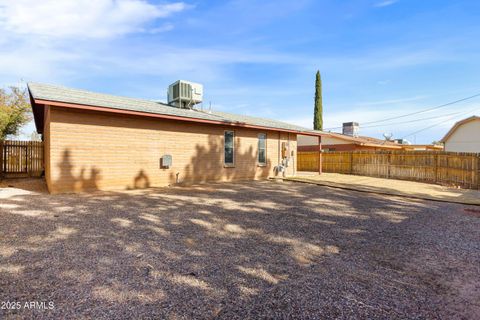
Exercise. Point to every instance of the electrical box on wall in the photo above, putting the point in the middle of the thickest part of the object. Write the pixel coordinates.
(166, 161)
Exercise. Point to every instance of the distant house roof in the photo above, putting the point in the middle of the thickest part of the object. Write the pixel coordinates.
(433, 147)
(458, 124)
(45, 94)
(365, 141)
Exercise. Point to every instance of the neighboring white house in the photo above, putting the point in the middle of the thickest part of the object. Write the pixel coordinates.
(464, 136)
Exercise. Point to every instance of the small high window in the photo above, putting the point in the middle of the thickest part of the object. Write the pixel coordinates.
(229, 148)
(262, 149)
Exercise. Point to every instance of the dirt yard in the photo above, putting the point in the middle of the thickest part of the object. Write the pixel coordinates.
(412, 189)
(234, 251)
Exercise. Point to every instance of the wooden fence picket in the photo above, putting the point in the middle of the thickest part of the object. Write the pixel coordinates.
(21, 159)
(450, 168)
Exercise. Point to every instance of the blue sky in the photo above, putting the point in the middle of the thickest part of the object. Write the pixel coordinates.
(378, 58)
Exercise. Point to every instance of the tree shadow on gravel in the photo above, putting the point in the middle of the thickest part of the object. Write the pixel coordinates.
(235, 250)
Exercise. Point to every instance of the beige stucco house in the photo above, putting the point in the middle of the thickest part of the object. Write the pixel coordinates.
(103, 142)
(464, 136)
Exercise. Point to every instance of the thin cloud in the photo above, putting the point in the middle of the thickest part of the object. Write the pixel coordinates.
(164, 28)
(391, 101)
(383, 82)
(82, 18)
(385, 3)
(406, 56)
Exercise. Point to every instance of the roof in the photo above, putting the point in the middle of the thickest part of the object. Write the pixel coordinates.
(45, 94)
(458, 124)
(365, 141)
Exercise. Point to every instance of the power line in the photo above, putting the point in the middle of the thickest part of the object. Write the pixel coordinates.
(427, 110)
(410, 121)
(417, 112)
(438, 123)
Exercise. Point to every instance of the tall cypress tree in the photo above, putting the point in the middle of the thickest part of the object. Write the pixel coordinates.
(318, 113)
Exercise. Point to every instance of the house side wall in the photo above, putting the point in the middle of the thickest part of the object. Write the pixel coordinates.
(96, 150)
(307, 140)
(329, 140)
(466, 138)
(326, 140)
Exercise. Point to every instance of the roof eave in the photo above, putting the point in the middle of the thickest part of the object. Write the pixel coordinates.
(164, 116)
(38, 113)
(456, 125)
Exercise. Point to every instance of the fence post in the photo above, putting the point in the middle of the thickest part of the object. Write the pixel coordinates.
(351, 162)
(478, 171)
(1, 159)
(389, 159)
(435, 157)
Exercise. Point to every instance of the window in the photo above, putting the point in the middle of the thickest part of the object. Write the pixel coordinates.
(229, 148)
(262, 149)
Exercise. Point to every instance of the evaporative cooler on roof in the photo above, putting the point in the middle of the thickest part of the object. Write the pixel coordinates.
(185, 94)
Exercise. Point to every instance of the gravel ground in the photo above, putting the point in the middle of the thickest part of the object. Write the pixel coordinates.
(235, 251)
(412, 189)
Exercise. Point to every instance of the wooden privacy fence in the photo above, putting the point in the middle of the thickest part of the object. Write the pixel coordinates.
(308, 161)
(450, 168)
(21, 158)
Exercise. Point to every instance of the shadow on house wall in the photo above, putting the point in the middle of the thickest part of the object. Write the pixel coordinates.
(69, 182)
(208, 164)
(89, 177)
(141, 180)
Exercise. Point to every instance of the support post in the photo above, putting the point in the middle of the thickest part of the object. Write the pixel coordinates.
(319, 155)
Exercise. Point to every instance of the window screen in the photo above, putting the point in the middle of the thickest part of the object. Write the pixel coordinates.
(229, 147)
